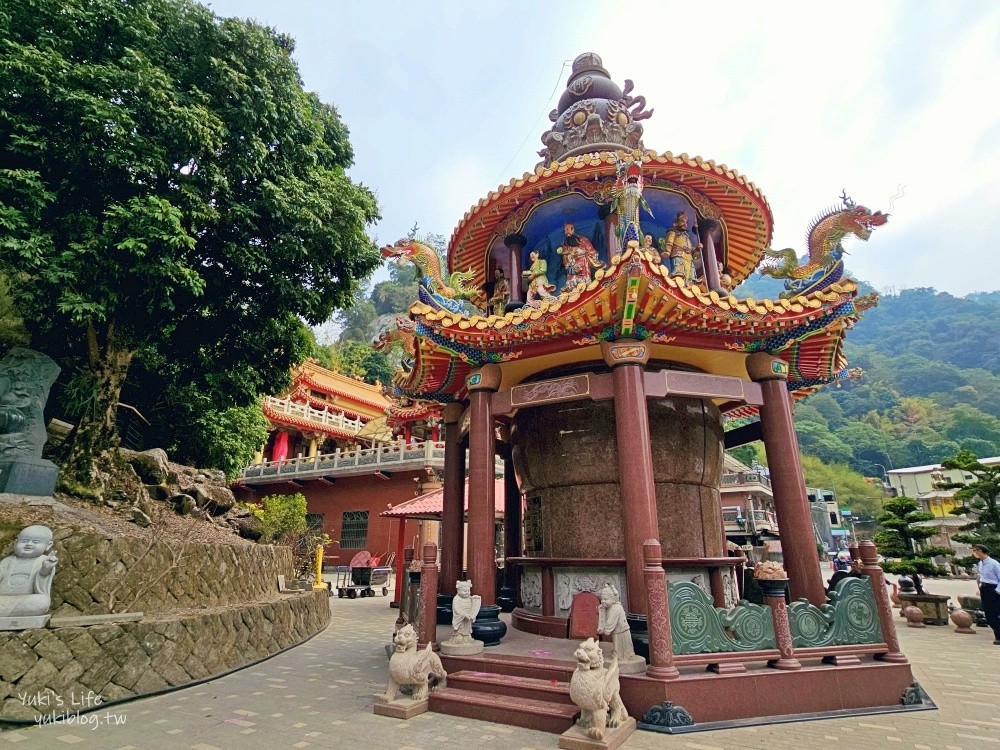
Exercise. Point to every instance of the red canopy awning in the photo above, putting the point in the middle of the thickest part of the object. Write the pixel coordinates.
(430, 504)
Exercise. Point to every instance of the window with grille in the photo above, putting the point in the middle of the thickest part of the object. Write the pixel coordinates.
(314, 522)
(354, 531)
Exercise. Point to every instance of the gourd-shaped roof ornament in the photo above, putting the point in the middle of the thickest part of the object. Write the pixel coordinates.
(593, 114)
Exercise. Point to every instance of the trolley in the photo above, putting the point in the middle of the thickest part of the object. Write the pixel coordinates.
(362, 577)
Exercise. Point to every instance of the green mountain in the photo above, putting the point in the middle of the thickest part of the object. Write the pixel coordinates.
(931, 383)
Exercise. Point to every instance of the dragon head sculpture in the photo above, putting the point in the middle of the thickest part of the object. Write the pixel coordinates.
(460, 285)
(860, 221)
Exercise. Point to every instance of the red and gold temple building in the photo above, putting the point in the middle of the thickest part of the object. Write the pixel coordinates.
(613, 352)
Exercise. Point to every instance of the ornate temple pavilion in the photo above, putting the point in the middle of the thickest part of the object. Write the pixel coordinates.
(591, 333)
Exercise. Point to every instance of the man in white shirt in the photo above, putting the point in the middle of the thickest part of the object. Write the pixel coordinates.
(989, 582)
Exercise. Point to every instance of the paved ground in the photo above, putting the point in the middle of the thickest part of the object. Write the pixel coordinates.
(319, 695)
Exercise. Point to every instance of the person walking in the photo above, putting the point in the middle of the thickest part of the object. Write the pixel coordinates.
(989, 581)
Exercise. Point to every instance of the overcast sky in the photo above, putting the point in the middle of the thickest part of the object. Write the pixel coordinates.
(446, 100)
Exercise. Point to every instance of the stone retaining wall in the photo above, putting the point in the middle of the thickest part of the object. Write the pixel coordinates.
(98, 574)
(46, 672)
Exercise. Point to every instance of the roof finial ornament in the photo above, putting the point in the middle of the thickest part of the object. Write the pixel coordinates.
(594, 114)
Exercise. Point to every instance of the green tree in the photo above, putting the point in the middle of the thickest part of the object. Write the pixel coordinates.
(980, 500)
(851, 488)
(899, 537)
(171, 193)
(280, 516)
(226, 440)
(361, 360)
(12, 330)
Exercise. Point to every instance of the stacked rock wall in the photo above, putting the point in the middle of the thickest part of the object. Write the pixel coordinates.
(51, 672)
(207, 609)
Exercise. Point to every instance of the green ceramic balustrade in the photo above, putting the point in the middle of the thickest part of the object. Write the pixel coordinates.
(849, 617)
(697, 626)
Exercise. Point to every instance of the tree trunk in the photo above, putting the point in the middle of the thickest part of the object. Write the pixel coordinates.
(95, 429)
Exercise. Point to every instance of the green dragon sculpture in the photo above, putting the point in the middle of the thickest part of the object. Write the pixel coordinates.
(825, 264)
(434, 290)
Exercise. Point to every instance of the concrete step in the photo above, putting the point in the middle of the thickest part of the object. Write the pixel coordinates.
(544, 716)
(507, 664)
(512, 685)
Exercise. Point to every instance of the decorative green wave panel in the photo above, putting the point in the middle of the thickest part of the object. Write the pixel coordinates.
(849, 617)
(697, 626)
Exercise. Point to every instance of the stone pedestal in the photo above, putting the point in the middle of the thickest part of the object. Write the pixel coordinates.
(575, 738)
(452, 647)
(28, 476)
(404, 708)
(23, 623)
(632, 665)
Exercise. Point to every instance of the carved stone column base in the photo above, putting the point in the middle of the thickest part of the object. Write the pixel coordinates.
(789, 665)
(662, 673)
(462, 648)
(403, 708)
(575, 738)
(633, 665)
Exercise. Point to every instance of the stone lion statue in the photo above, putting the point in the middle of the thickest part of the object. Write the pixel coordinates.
(420, 671)
(594, 689)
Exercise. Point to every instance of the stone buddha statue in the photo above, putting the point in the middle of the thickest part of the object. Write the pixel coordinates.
(26, 580)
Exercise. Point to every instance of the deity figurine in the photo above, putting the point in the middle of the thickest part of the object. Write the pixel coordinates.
(539, 287)
(26, 580)
(677, 250)
(464, 609)
(647, 243)
(579, 257)
(612, 622)
(501, 294)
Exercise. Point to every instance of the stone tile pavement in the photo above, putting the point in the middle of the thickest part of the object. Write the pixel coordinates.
(320, 694)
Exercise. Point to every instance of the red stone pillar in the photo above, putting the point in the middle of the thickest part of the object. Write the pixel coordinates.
(635, 461)
(453, 505)
(661, 654)
(511, 530)
(397, 597)
(515, 243)
(791, 505)
(428, 597)
(548, 592)
(280, 450)
(707, 230)
(610, 230)
(482, 384)
(774, 597)
(870, 566)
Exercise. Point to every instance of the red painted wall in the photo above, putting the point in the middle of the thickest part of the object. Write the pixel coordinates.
(353, 493)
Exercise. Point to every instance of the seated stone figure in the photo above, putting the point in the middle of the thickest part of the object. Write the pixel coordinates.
(26, 576)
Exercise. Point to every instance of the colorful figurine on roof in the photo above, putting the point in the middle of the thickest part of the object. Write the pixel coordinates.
(825, 264)
(605, 381)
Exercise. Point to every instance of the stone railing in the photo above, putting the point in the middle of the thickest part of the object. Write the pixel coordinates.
(744, 478)
(319, 417)
(763, 520)
(415, 455)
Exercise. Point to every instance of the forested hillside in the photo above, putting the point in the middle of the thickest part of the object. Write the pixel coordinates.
(931, 383)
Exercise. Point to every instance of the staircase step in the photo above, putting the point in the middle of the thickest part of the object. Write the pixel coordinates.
(545, 716)
(507, 664)
(512, 685)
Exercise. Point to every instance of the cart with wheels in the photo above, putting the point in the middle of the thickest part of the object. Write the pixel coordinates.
(362, 577)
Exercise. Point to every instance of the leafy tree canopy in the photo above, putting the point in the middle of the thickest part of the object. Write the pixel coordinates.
(170, 195)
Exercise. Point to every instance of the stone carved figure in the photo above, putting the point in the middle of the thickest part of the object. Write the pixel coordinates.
(26, 580)
(420, 671)
(594, 689)
(531, 590)
(464, 609)
(25, 379)
(612, 622)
